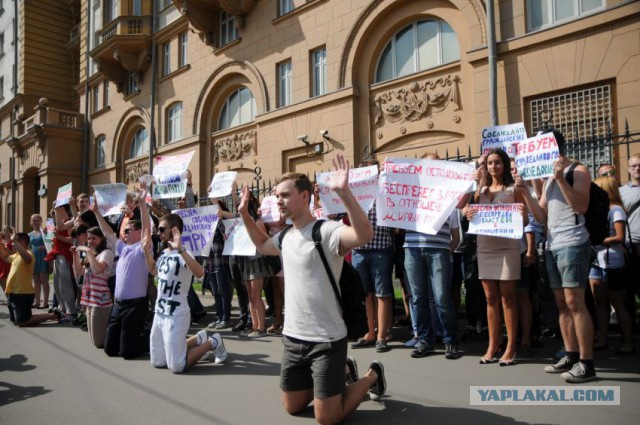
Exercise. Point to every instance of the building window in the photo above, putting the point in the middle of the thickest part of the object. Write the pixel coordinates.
(106, 94)
(139, 144)
(100, 151)
(416, 47)
(166, 59)
(111, 9)
(2, 88)
(132, 84)
(95, 97)
(284, 84)
(284, 7)
(318, 72)
(136, 7)
(1, 43)
(182, 56)
(228, 31)
(174, 123)
(544, 13)
(238, 109)
(582, 115)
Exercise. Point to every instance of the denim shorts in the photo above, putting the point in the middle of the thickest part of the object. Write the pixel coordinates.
(375, 268)
(616, 279)
(568, 267)
(313, 365)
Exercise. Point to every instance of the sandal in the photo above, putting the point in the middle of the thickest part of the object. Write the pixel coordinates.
(493, 359)
(510, 362)
(362, 343)
(275, 328)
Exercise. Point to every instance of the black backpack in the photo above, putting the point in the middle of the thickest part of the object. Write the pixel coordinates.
(351, 296)
(597, 216)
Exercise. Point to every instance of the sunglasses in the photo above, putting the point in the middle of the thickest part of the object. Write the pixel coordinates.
(161, 229)
(127, 231)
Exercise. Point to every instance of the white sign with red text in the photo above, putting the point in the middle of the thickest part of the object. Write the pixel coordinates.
(535, 156)
(503, 137)
(362, 182)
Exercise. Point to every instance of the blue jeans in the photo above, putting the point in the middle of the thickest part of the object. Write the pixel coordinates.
(426, 266)
(222, 293)
(375, 268)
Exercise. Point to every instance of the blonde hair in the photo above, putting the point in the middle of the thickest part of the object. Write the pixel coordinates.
(34, 216)
(610, 185)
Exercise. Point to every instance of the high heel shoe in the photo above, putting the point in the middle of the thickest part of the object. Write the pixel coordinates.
(509, 362)
(493, 359)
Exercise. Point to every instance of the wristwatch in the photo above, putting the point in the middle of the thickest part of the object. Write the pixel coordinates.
(181, 250)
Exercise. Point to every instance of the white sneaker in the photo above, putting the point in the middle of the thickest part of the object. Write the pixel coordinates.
(201, 337)
(219, 351)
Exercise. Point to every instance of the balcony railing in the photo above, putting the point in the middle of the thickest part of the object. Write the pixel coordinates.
(126, 25)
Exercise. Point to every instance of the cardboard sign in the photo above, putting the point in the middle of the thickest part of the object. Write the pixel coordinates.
(499, 220)
(420, 194)
(362, 182)
(170, 175)
(504, 137)
(237, 240)
(535, 156)
(221, 184)
(199, 226)
(64, 193)
(269, 212)
(47, 236)
(111, 197)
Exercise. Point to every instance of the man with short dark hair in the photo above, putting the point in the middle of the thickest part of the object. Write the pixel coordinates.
(314, 334)
(630, 194)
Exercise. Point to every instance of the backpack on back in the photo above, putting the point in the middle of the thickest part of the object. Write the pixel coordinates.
(597, 216)
(351, 296)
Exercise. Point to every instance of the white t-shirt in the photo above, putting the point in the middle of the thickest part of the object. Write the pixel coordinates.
(311, 312)
(174, 278)
(616, 251)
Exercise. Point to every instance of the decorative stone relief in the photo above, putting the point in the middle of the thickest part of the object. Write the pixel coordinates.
(417, 101)
(235, 147)
(133, 171)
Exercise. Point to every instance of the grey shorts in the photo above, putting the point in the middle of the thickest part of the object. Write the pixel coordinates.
(317, 365)
(568, 267)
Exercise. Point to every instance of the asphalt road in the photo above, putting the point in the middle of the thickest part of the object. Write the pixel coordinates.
(53, 375)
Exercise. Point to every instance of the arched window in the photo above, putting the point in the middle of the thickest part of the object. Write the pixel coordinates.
(238, 109)
(416, 47)
(100, 151)
(174, 123)
(139, 144)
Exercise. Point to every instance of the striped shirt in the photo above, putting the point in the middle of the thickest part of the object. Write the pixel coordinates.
(441, 240)
(95, 289)
(381, 235)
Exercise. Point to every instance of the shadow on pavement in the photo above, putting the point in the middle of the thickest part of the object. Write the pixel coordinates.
(16, 363)
(15, 393)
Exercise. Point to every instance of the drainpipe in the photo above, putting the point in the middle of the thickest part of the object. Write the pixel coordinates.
(154, 64)
(493, 83)
(86, 127)
(14, 114)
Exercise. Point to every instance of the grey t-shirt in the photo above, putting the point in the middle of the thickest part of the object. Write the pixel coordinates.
(562, 230)
(630, 196)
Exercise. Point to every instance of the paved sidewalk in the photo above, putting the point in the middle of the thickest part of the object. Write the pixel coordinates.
(52, 374)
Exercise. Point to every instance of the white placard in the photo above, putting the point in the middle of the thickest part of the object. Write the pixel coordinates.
(500, 220)
(199, 226)
(362, 182)
(269, 212)
(221, 184)
(64, 193)
(420, 194)
(47, 236)
(535, 156)
(111, 197)
(237, 240)
(504, 137)
(170, 175)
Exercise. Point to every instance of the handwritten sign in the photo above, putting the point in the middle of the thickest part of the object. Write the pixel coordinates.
(362, 182)
(535, 156)
(170, 175)
(111, 197)
(47, 236)
(503, 137)
(64, 193)
(221, 184)
(198, 228)
(500, 220)
(269, 212)
(420, 194)
(237, 240)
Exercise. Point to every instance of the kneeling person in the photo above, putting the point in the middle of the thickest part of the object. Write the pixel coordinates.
(175, 268)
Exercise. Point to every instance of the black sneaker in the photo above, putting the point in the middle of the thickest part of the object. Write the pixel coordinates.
(352, 370)
(423, 349)
(378, 389)
(579, 373)
(564, 365)
(240, 326)
(382, 346)
(451, 352)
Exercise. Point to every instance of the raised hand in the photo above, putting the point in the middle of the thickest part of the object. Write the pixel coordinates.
(243, 207)
(339, 180)
(176, 243)
(146, 240)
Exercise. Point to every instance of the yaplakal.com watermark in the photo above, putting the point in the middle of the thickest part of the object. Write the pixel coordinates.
(544, 395)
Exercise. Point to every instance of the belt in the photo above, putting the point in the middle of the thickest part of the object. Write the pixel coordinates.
(131, 301)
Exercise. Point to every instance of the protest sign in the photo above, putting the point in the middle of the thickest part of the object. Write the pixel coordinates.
(362, 182)
(170, 175)
(269, 212)
(221, 184)
(535, 156)
(237, 240)
(198, 228)
(47, 236)
(504, 137)
(64, 193)
(420, 194)
(500, 220)
(111, 197)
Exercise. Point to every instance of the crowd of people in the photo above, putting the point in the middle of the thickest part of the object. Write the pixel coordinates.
(127, 279)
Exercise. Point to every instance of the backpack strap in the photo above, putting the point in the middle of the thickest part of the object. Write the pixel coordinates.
(317, 241)
(569, 179)
(283, 232)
